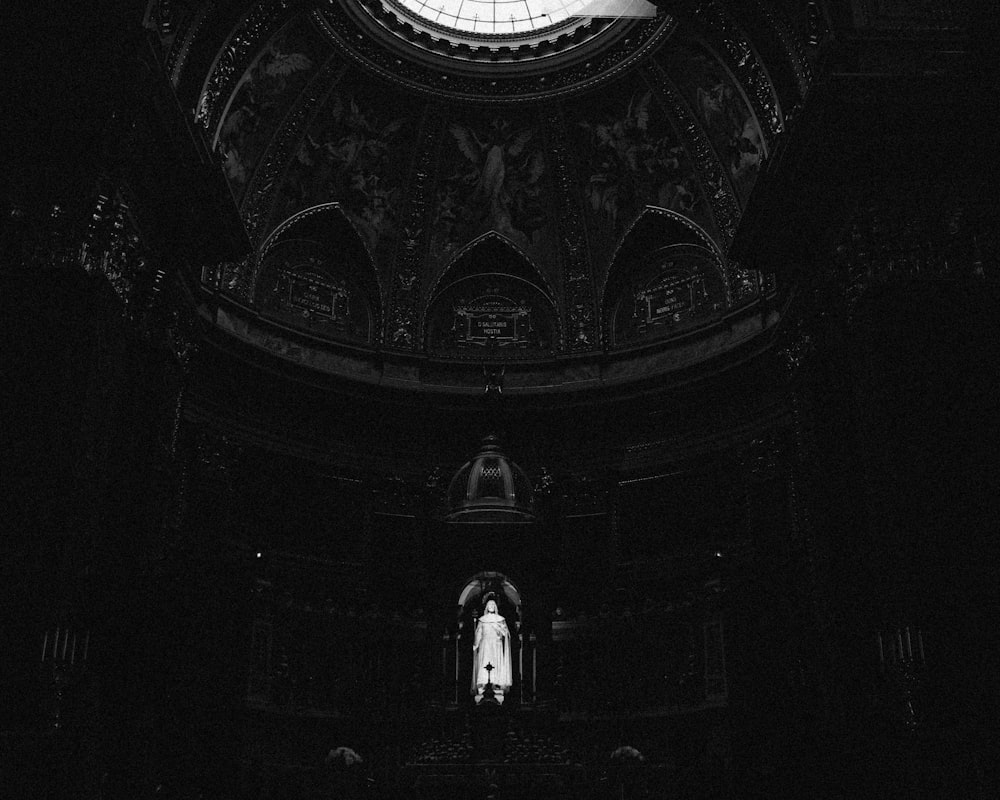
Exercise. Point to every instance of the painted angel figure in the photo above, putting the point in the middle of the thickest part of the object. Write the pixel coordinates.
(495, 168)
(279, 65)
(491, 654)
(621, 146)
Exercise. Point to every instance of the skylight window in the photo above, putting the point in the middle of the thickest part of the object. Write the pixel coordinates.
(500, 17)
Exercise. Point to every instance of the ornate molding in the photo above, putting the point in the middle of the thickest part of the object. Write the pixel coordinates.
(911, 16)
(184, 38)
(745, 65)
(581, 332)
(403, 290)
(715, 180)
(790, 42)
(259, 196)
(887, 243)
(451, 73)
(236, 57)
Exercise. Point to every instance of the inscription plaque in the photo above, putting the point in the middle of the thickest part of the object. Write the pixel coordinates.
(492, 321)
(669, 296)
(317, 296)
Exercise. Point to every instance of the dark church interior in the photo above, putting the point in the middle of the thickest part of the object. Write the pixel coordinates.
(646, 349)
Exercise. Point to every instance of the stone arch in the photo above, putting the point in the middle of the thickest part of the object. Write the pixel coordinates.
(483, 583)
(320, 245)
(659, 242)
(491, 278)
(519, 260)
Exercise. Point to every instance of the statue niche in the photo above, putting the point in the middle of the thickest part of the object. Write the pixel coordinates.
(486, 656)
(491, 648)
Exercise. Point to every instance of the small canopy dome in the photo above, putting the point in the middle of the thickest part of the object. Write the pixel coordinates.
(490, 488)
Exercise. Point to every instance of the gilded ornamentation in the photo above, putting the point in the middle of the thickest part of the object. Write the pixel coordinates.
(886, 243)
(260, 191)
(717, 103)
(682, 287)
(234, 60)
(746, 66)
(574, 252)
(401, 326)
(791, 42)
(412, 244)
(111, 247)
(490, 88)
(265, 92)
(355, 151)
(744, 284)
(722, 200)
(235, 279)
(185, 35)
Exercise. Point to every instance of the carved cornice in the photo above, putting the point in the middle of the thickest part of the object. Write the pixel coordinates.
(454, 75)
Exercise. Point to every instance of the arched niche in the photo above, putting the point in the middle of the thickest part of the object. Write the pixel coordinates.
(457, 655)
(667, 277)
(316, 275)
(486, 584)
(491, 302)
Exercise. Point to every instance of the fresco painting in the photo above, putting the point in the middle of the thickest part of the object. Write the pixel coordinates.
(492, 177)
(723, 112)
(356, 152)
(265, 93)
(631, 157)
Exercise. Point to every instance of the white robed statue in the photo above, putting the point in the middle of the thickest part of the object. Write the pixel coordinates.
(491, 654)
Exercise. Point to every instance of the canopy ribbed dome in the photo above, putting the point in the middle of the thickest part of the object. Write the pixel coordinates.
(490, 488)
(419, 195)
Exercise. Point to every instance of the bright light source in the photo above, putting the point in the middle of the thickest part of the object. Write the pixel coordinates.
(498, 17)
(260, 555)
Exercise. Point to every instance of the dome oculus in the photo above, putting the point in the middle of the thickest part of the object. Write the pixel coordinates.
(495, 17)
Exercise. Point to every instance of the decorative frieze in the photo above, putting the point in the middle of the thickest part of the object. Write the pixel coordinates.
(790, 42)
(893, 242)
(405, 289)
(185, 34)
(581, 332)
(492, 86)
(261, 188)
(111, 246)
(744, 284)
(746, 66)
(717, 186)
(234, 60)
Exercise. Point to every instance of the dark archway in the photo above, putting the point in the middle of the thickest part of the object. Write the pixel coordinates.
(316, 274)
(492, 303)
(666, 277)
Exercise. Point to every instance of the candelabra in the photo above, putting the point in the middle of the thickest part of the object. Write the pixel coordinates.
(65, 651)
(902, 663)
